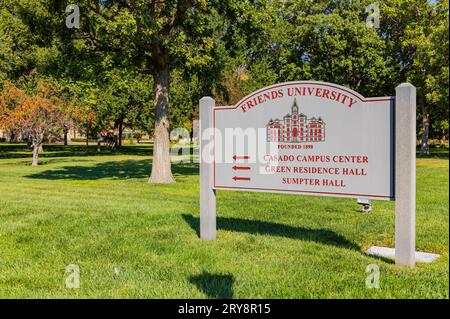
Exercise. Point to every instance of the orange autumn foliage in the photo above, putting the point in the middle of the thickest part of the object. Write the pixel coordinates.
(232, 86)
(32, 115)
(82, 116)
(10, 97)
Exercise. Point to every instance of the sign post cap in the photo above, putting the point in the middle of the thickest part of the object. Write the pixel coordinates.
(405, 84)
(206, 98)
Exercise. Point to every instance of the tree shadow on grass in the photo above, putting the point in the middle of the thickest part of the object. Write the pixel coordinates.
(435, 153)
(213, 285)
(323, 236)
(110, 170)
(10, 151)
(184, 169)
(381, 258)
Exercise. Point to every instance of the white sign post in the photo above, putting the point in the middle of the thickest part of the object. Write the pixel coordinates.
(313, 138)
(405, 175)
(207, 192)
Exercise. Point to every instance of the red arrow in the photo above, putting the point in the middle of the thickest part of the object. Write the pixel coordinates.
(241, 178)
(235, 157)
(242, 168)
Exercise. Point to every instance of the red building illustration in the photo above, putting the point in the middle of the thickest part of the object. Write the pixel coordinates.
(296, 128)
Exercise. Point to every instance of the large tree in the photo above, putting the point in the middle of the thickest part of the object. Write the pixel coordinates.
(311, 40)
(150, 36)
(225, 48)
(417, 52)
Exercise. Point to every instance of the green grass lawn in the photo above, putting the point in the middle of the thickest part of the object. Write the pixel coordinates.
(99, 212)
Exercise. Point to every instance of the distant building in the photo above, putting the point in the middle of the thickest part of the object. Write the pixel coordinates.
(296, 128)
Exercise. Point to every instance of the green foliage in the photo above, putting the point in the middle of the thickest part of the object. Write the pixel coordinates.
(225, 49)
(15, 40)
(416, 37)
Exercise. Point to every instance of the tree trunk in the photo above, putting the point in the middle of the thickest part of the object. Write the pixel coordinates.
(65, 137)
(116, 134)
(87, 136)
(161, 166)
(35, 154)
(424, 149)
(99, 139)
(120, 131)
(12, 137)
(37, 147)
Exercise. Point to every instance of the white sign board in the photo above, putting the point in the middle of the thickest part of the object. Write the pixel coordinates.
(306, 138)
(313, 138)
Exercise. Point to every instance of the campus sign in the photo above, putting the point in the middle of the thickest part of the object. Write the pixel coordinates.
(307, 138)
(312, 138)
